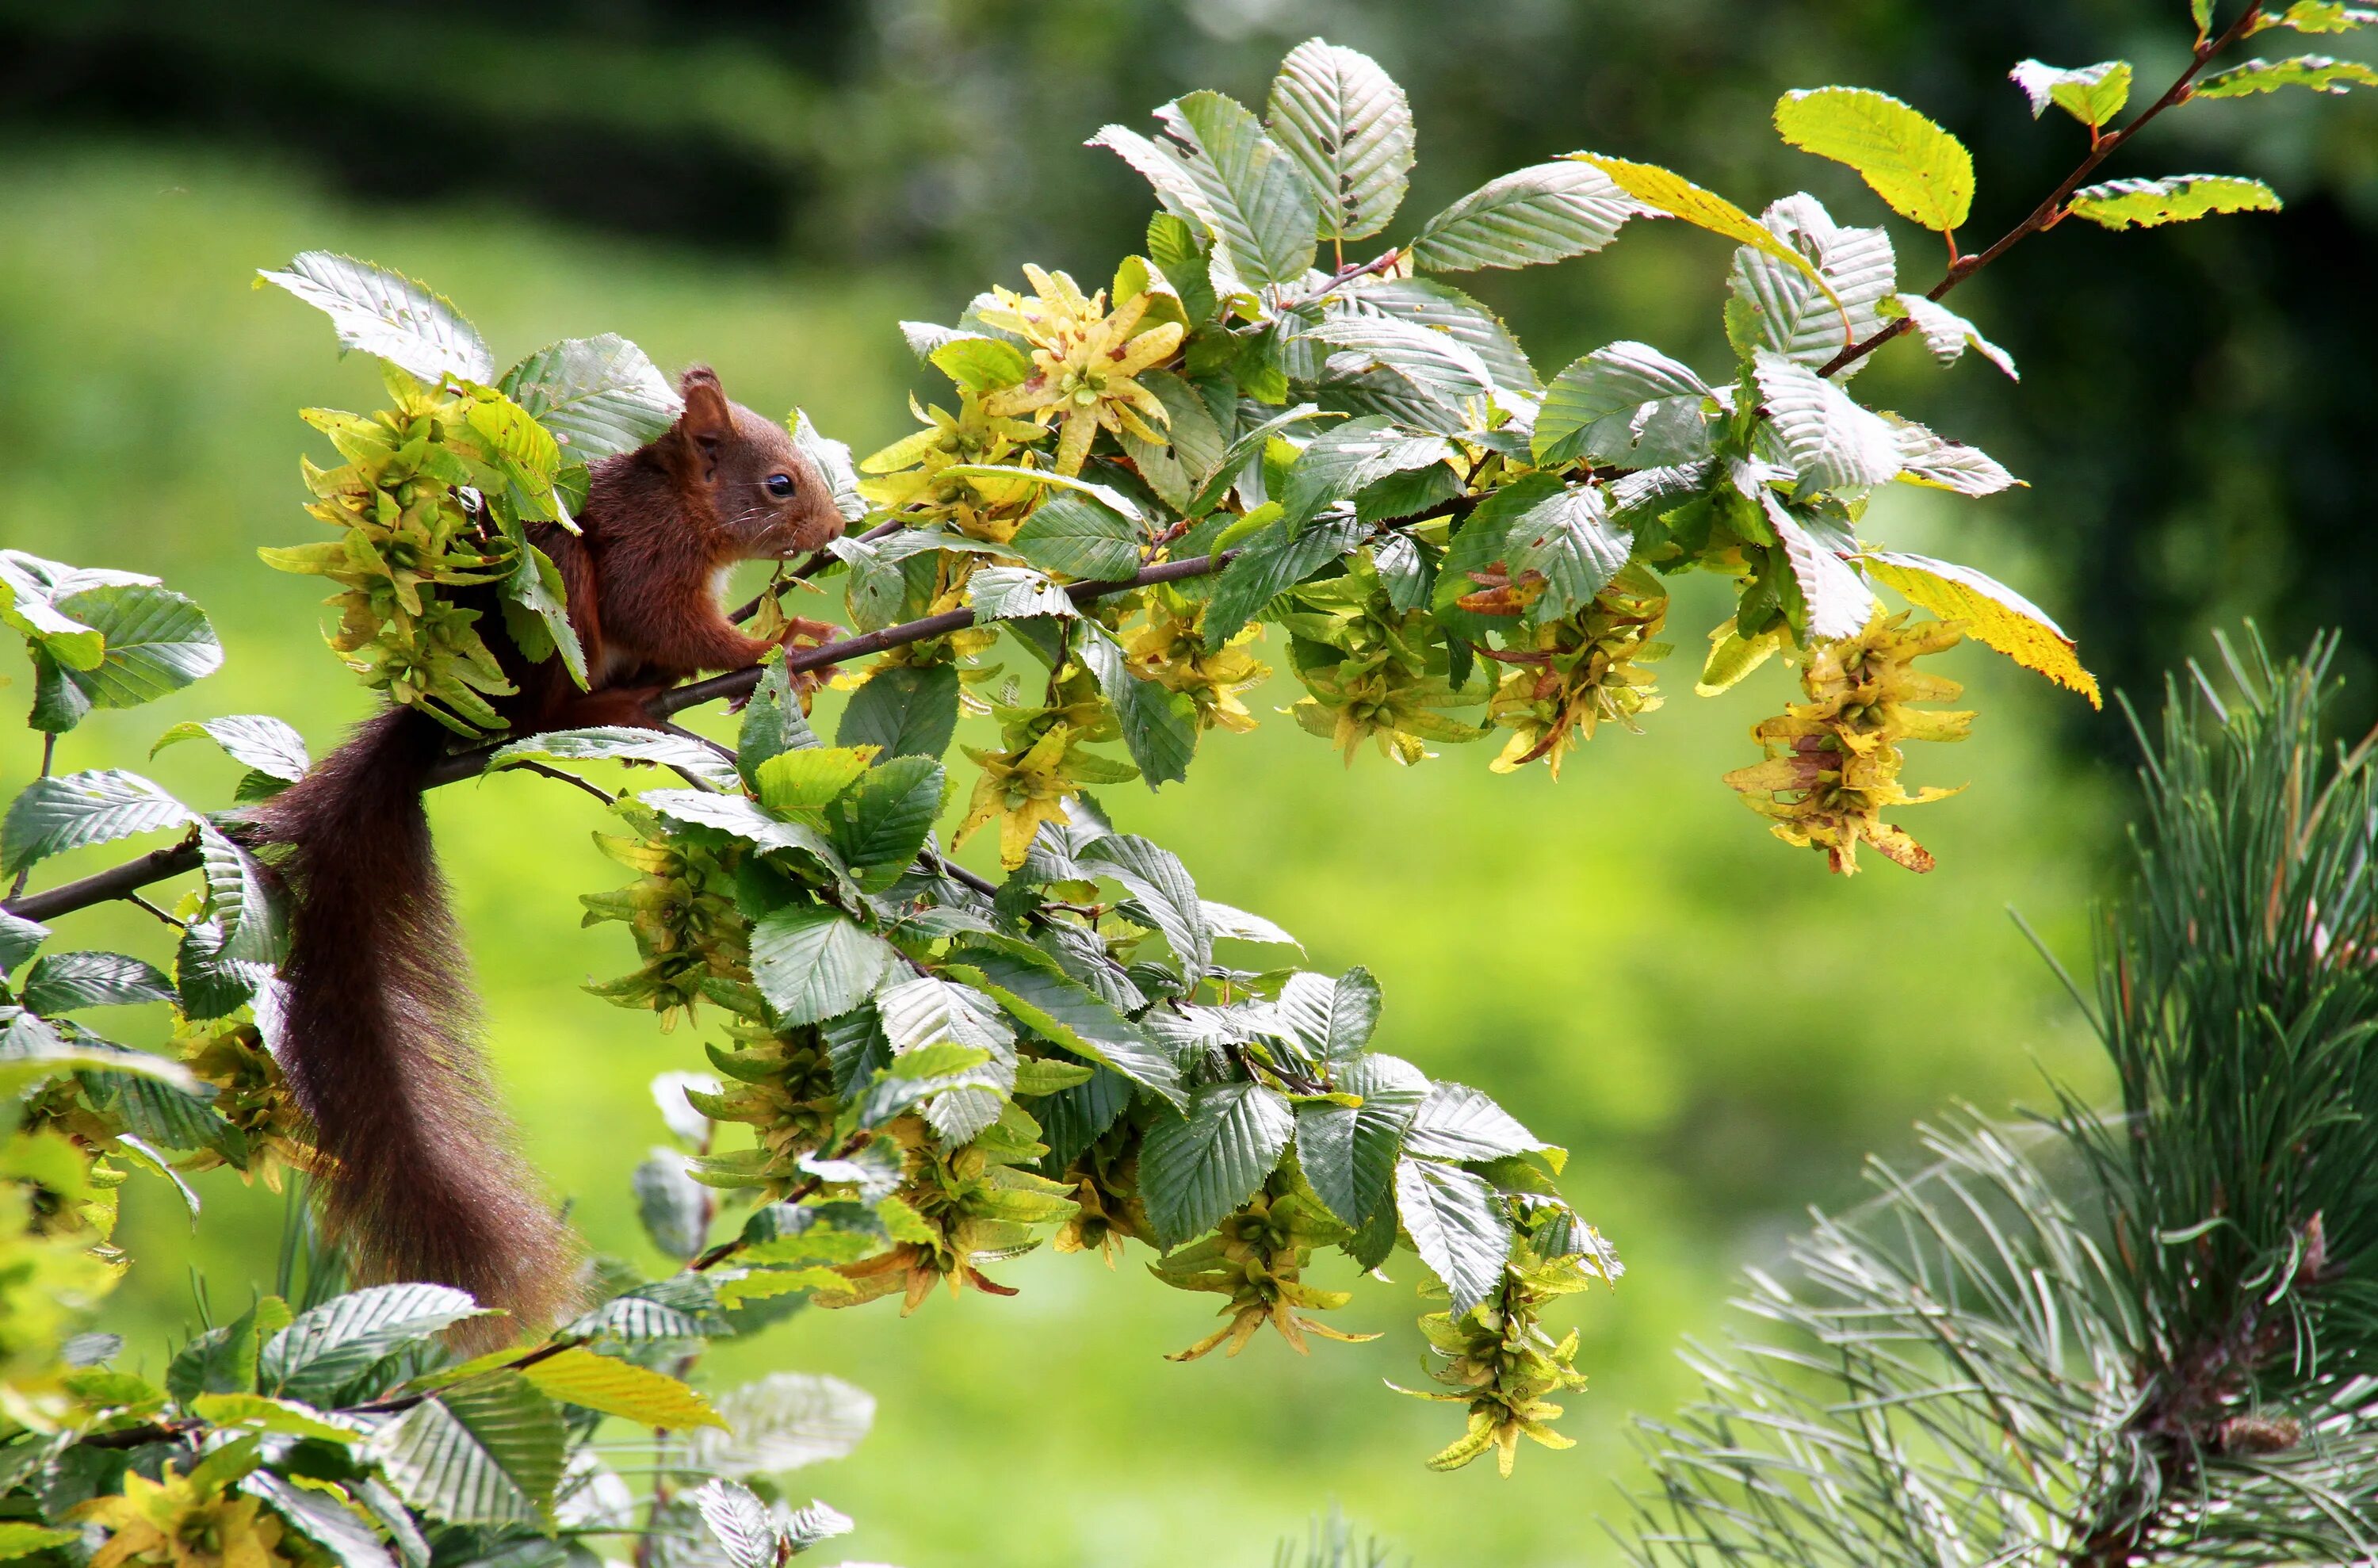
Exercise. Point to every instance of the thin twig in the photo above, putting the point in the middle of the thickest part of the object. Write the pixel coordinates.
(49, 751)
(143, 903)
(2050, 212)
(816, 564)
(567, 777)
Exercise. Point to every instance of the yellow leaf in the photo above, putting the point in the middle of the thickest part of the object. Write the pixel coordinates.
(1989, 612)
(1921, 170)
(764, 1283)
(618, 1388)
(1679, 197)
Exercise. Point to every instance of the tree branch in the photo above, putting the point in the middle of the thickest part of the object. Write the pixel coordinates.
(119, 882)
(2050, 212)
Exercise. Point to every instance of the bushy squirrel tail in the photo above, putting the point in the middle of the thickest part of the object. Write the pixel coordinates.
(379, 1041)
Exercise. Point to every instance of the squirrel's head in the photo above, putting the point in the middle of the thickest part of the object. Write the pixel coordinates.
(766, 499)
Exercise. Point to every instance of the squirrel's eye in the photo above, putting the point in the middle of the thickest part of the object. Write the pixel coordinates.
(780, 486)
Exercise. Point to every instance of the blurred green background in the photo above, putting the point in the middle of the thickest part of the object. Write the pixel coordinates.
(1716, 1029)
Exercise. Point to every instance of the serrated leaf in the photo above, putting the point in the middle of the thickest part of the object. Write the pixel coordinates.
(783, 1421)
(1778, 307)
(487, 1454)
(620, 1388)
(682, 1306)
(1440, 306)
(1347, 126)
(1544, 212)
(1664, 191)
(620, 743)
(881, 823)
(1333, 1018)
(242, 904)
(1936, 461)
(1031, 986)
(1077, 537)
(1946, 333)
(1457, 1227)
(1923, 172)
(1270, 559)
(1226, 920)
(740, 1522)
(2317, 16)
(744, 819)
(1157, 728)
(267, 1413)
(813, 962)
(1437, 363)
(383, 312)
(1196, 1168)
(1247, 192)
(59, 982)
(155, 641)
(981, 364)
(2176, 199)
(1628, 402)
(1346, 458)
(322, 1519)
(1008, 593)
(263, 742)
(1990, 613)
(76, 810)
(673, 1208)
(1831, 441)
(2091, 94)
(1161, 884)
(906, 710)
(808, 779)
(1839, 602)
(1349, 1152)
(1457, 1122)
(598, 396)
(326, 1346)
(1568, 537)
(19, 1538)
(2317, 72)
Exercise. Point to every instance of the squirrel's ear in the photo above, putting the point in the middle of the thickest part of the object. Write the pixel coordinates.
(707, 415)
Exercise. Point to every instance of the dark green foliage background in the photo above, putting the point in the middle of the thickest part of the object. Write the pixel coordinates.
(1716, 1028)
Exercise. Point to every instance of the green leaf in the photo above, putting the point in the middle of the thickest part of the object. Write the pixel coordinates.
(832, 459)
(783, 1421)
(2176, 199)
(19, 1538)
(1273, 559)
(1349, 1152)
(740, 1522)
(1159, 728)
(1077, 537)
(386, 313)
(1154, 876)
(1923, 172)
(264, 744)
(1570, 538)
(773, 720)
(322, 1519)
(1779, 306)
(1544, 212)
(673, 1208)
(1031, 986)
(813, 962)
(267, 1413)
(905, 709)
(1457, 1122)
(2091, 94)
(1940, 464)
(1628, 404)
(1176, 466)
(2317, 16)
(1839, 602)
(881, 823)
(77, 810)
(1347, 458)
(241, 901)
(1437, 363)
(156, 641)
(745, 820)
(598, 396)
(589, 1382)
(489, 1453)
(1196, 1168)
(1441, 307)
(1249, 444)
(1009, 593)
(1831, 440)
(681, 1307)
(1457, 1227)
(1333, 1018)
(2317, 72)
(20, 939)
(329, 1346)
(809, 779)
(1247, 192)
(1347, 126)
(59, 982)
(1946, 333)
(28, 606)
(981, 364)
(620, 743)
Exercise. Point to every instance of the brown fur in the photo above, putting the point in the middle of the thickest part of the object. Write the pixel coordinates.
(381, 1024)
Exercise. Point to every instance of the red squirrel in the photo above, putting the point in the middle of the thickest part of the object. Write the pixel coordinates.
(379, 1031)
